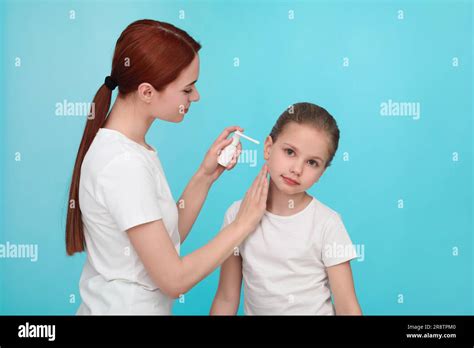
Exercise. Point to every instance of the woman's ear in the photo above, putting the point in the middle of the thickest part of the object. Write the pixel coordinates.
(145, 92)
(267, 148)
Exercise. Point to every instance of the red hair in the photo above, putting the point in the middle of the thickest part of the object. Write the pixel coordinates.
(146, 51)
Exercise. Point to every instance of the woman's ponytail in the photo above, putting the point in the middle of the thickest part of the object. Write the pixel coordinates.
(75, 240)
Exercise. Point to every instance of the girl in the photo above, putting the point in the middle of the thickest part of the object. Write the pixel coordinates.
(121, 208)
(292, 262)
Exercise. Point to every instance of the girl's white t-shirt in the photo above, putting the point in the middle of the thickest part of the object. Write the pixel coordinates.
(284, 260)
(122, 185)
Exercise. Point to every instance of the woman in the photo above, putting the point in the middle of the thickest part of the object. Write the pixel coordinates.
(121, 208)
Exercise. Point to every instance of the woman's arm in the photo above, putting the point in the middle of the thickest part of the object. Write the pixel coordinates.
(342, 288)
(227, 298)
(195, 193)
(191, 202)
(175, 275)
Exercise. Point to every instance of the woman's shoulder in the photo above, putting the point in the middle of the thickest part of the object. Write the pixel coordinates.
(106, 150)
(113, 159)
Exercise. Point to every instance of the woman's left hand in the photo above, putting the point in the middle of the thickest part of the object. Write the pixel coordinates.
(209, 165)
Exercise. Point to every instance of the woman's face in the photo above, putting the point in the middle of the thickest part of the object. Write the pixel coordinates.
(172, 103)
(297, 159)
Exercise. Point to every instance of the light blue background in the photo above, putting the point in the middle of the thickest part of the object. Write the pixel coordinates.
(408, 251)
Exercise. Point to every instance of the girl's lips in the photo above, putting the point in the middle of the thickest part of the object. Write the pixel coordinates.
(289, 181)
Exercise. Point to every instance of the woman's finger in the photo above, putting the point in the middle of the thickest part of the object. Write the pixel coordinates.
(221, 145)
(257, 181)
(239, 148)
(261, 181)
(264, 194)
(237, 153)
(251, 190)
(234, 160)
(225, 133)
(231, 164)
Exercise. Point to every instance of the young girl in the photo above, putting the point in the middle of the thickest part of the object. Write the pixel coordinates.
(292, 263)
(121, 210)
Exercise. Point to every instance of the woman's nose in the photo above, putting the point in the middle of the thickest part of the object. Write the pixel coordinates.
(195, 95)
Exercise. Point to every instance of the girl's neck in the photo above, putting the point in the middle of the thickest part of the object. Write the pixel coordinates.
(127, 118)
(280, 203)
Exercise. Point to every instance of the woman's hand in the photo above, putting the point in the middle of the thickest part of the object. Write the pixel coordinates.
(254, 203)
(209, 165)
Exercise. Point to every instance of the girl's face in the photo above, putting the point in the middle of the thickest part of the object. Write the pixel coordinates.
(297, 159)
(172, 103)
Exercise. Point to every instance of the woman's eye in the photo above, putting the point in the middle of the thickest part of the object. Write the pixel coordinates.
(289, 151)
(313, 163)
(188, 91)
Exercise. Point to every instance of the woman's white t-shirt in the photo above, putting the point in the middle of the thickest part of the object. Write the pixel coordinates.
(284, 260)
(122, 185)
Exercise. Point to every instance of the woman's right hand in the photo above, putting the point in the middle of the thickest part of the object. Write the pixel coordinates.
(254, 203)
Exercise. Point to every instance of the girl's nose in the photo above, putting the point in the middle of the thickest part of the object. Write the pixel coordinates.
(297, 168)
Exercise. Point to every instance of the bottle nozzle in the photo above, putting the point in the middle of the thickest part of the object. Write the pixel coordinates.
(246, 137)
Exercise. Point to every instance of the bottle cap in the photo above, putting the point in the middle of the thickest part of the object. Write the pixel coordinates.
(235, 139)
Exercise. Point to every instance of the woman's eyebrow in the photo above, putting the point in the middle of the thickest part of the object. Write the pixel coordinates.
(192, 83)
(294, 147)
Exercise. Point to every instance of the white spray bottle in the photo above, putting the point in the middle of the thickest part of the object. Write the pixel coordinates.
(228, 152)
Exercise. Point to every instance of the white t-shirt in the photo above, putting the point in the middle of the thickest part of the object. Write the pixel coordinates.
(284, 260)
(122, 185)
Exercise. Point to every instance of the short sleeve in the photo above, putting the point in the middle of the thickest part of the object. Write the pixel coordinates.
(231, 214)
(337, 246)
(129, 190)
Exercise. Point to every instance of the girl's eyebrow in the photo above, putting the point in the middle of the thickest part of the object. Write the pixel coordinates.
(294, 147)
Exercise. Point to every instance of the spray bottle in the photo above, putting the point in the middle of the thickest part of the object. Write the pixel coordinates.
(229, 151)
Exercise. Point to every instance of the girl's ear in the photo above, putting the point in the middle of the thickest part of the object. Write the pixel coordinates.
(267, 148)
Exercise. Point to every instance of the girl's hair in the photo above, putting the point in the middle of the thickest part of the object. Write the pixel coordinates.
(146, 51)
(313, 115)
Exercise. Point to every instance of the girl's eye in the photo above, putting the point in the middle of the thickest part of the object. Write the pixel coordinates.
(188, 91)
(289, 151)
(313, 163)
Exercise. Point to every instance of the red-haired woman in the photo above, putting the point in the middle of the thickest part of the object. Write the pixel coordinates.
(121, 211)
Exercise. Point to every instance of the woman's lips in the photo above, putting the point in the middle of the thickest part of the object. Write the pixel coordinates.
(289, 181)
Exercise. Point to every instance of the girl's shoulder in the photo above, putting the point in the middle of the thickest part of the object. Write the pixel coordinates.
(233, 209)
(325, 213)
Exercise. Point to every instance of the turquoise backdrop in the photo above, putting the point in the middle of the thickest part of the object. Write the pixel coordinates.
(402, 184)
